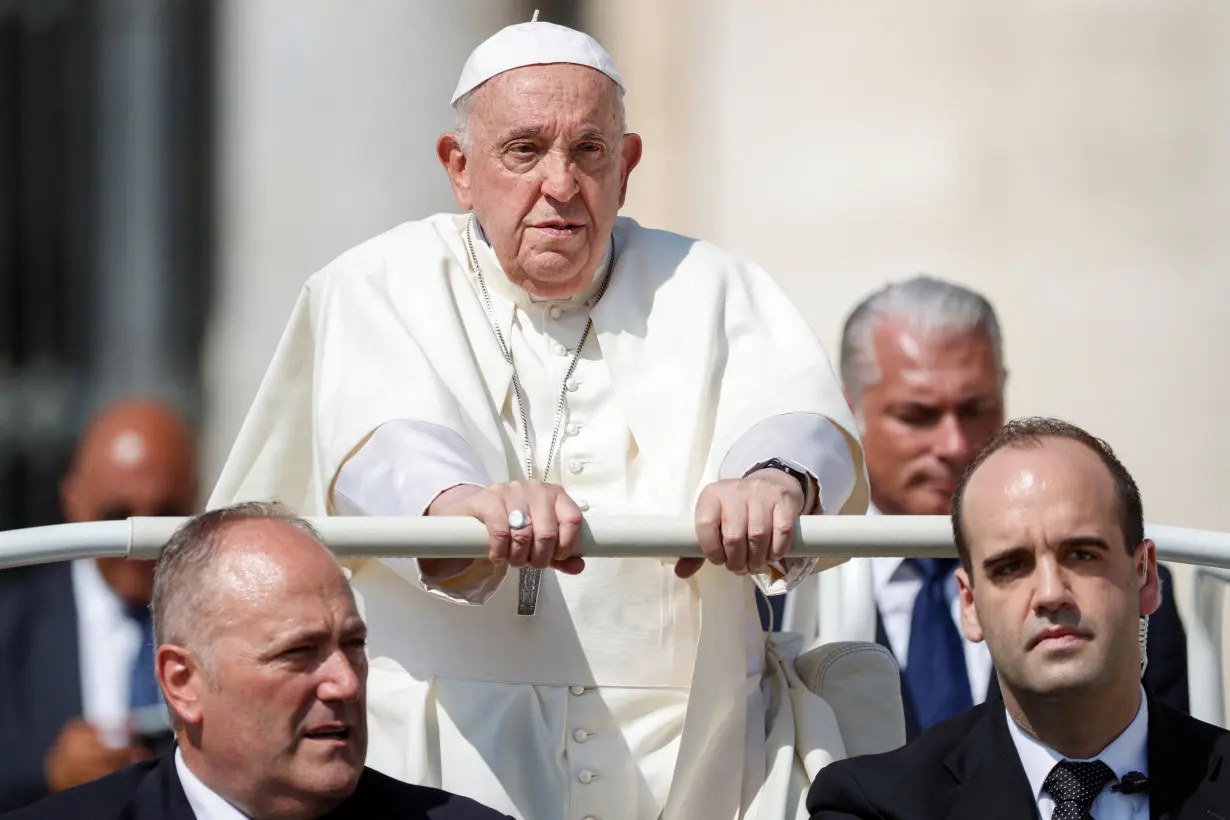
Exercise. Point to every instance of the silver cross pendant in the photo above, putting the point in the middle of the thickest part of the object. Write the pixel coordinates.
(528, 582)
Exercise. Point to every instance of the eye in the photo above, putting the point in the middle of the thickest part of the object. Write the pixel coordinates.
(1007, 569)
(522, 149)
(297, 652)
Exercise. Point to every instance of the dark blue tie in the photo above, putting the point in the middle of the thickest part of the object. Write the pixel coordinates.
(142, 685)
(935, 664)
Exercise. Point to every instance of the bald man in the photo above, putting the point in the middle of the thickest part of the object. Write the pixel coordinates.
(78, 699)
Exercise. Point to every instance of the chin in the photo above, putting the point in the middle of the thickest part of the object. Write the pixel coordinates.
(335, 780)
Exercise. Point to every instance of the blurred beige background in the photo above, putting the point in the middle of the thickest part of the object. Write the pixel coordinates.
(1066, 157)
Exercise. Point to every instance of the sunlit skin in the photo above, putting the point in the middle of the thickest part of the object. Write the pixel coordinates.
(1055, 594)
(276, 723)
(546, 173)
(136, 458)
(939, 399)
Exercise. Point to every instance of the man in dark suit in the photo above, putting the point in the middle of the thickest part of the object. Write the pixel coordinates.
(1055, 574)
(71, 633)
(922, 366)
(261, 657)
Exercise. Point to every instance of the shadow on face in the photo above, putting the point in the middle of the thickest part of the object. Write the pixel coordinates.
(1053, 589)
(938, 401)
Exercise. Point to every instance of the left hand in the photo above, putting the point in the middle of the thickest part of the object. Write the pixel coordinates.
(745, 523)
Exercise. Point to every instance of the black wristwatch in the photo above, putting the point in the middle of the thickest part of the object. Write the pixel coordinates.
(778, 464)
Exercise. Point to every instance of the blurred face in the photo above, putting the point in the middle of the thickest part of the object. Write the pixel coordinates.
(1052, 588)
(939, 399)
(546, 172)
(280, 725)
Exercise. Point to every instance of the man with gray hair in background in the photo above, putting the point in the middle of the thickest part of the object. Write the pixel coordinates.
(261, 657)
(922, 367)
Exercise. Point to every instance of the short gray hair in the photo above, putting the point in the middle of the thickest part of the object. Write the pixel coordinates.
(465, 104)
(183, 585)
(926, 304)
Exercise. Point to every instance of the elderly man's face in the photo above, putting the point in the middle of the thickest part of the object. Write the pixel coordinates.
(1055, 593)
(546, 172)
(938, 401)
(280, 721)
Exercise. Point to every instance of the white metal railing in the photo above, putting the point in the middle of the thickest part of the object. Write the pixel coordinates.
(834, 536)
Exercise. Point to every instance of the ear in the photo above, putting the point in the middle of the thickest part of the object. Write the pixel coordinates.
(1147, 578)
(453, 158)
(181, 677)
(630, 156)
(969, 614)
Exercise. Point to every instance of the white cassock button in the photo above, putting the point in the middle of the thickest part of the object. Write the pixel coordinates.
(589, 817)
(560, 350)
(575, 466)
(585, 776)
(582, 505)
(556, 312)
(580, 735)
(572, 429)
(577, 690)
(571, 385)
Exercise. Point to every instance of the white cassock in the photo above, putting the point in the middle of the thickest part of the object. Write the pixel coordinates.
(630, 693)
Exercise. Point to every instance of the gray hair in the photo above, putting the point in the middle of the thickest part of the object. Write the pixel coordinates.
(926, 304)
(465, 104)
(183, 586)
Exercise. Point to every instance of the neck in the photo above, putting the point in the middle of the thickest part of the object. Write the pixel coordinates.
(257, 803)
(1078, 726)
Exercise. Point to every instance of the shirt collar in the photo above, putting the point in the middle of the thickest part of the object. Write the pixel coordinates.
(1126, 753)
(205, 802)
(493, 273)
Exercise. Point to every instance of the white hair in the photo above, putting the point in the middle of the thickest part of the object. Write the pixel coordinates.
(925, 304)
(465, 103)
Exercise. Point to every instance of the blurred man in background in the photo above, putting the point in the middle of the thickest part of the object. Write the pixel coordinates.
(76, 640)
(922, 367)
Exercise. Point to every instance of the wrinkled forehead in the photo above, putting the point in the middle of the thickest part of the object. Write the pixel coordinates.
(559, 95)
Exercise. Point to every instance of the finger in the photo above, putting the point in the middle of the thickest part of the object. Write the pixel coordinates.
(544, 525)
(687, 567)
(759, 533)
(571, 522)
(493, 512)
(570, 566)
(708, 526)
(784, 522)
(734, 535)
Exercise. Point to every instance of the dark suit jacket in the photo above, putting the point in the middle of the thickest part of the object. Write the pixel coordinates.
(151, 790)
(1165, 675)
(967, 768)
(40, 682)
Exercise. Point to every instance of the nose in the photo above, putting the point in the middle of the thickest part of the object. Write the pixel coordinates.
(951, 439)
(1051, 591)
(341, 678)
(559, 176)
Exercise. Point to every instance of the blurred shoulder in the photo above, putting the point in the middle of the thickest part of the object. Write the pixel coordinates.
(104, 798)
(437, 236)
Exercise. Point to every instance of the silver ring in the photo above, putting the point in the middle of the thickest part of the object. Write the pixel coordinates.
(518, 520)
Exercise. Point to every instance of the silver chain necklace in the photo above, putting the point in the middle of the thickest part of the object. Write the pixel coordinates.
(530, 578)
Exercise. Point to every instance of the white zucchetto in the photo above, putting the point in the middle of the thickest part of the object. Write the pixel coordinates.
(532, 43)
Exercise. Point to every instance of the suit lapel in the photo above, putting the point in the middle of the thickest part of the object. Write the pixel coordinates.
(160, 796)
(991, 781)
(1177, 764)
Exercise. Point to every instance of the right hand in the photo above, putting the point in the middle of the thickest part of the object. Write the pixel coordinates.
(553, 534)
(79, 756)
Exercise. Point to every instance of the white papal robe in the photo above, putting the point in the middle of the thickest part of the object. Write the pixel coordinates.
(630, 694)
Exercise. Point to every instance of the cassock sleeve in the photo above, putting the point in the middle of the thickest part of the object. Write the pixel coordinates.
(399, 470)
(811, 443)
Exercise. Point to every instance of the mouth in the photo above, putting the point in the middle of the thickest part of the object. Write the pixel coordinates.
(1058, 638)
(559, 227)
(336, 733)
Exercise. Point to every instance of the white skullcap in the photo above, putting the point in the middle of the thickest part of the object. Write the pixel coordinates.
(532, 43)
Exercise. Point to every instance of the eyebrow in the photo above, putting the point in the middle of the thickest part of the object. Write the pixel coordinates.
(1019, 552)
(532, 131)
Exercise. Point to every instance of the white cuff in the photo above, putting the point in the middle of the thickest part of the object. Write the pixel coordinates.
(400, 470)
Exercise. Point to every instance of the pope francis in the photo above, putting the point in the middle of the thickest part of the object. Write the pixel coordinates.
(531, 361)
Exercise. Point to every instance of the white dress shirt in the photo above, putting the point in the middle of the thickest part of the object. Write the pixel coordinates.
(205, 802)
(1126, 753)
(107, 643)
(897, 585)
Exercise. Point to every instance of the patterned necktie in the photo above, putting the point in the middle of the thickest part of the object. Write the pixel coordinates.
(935, 664)
(1075, 785)
(142, 685)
